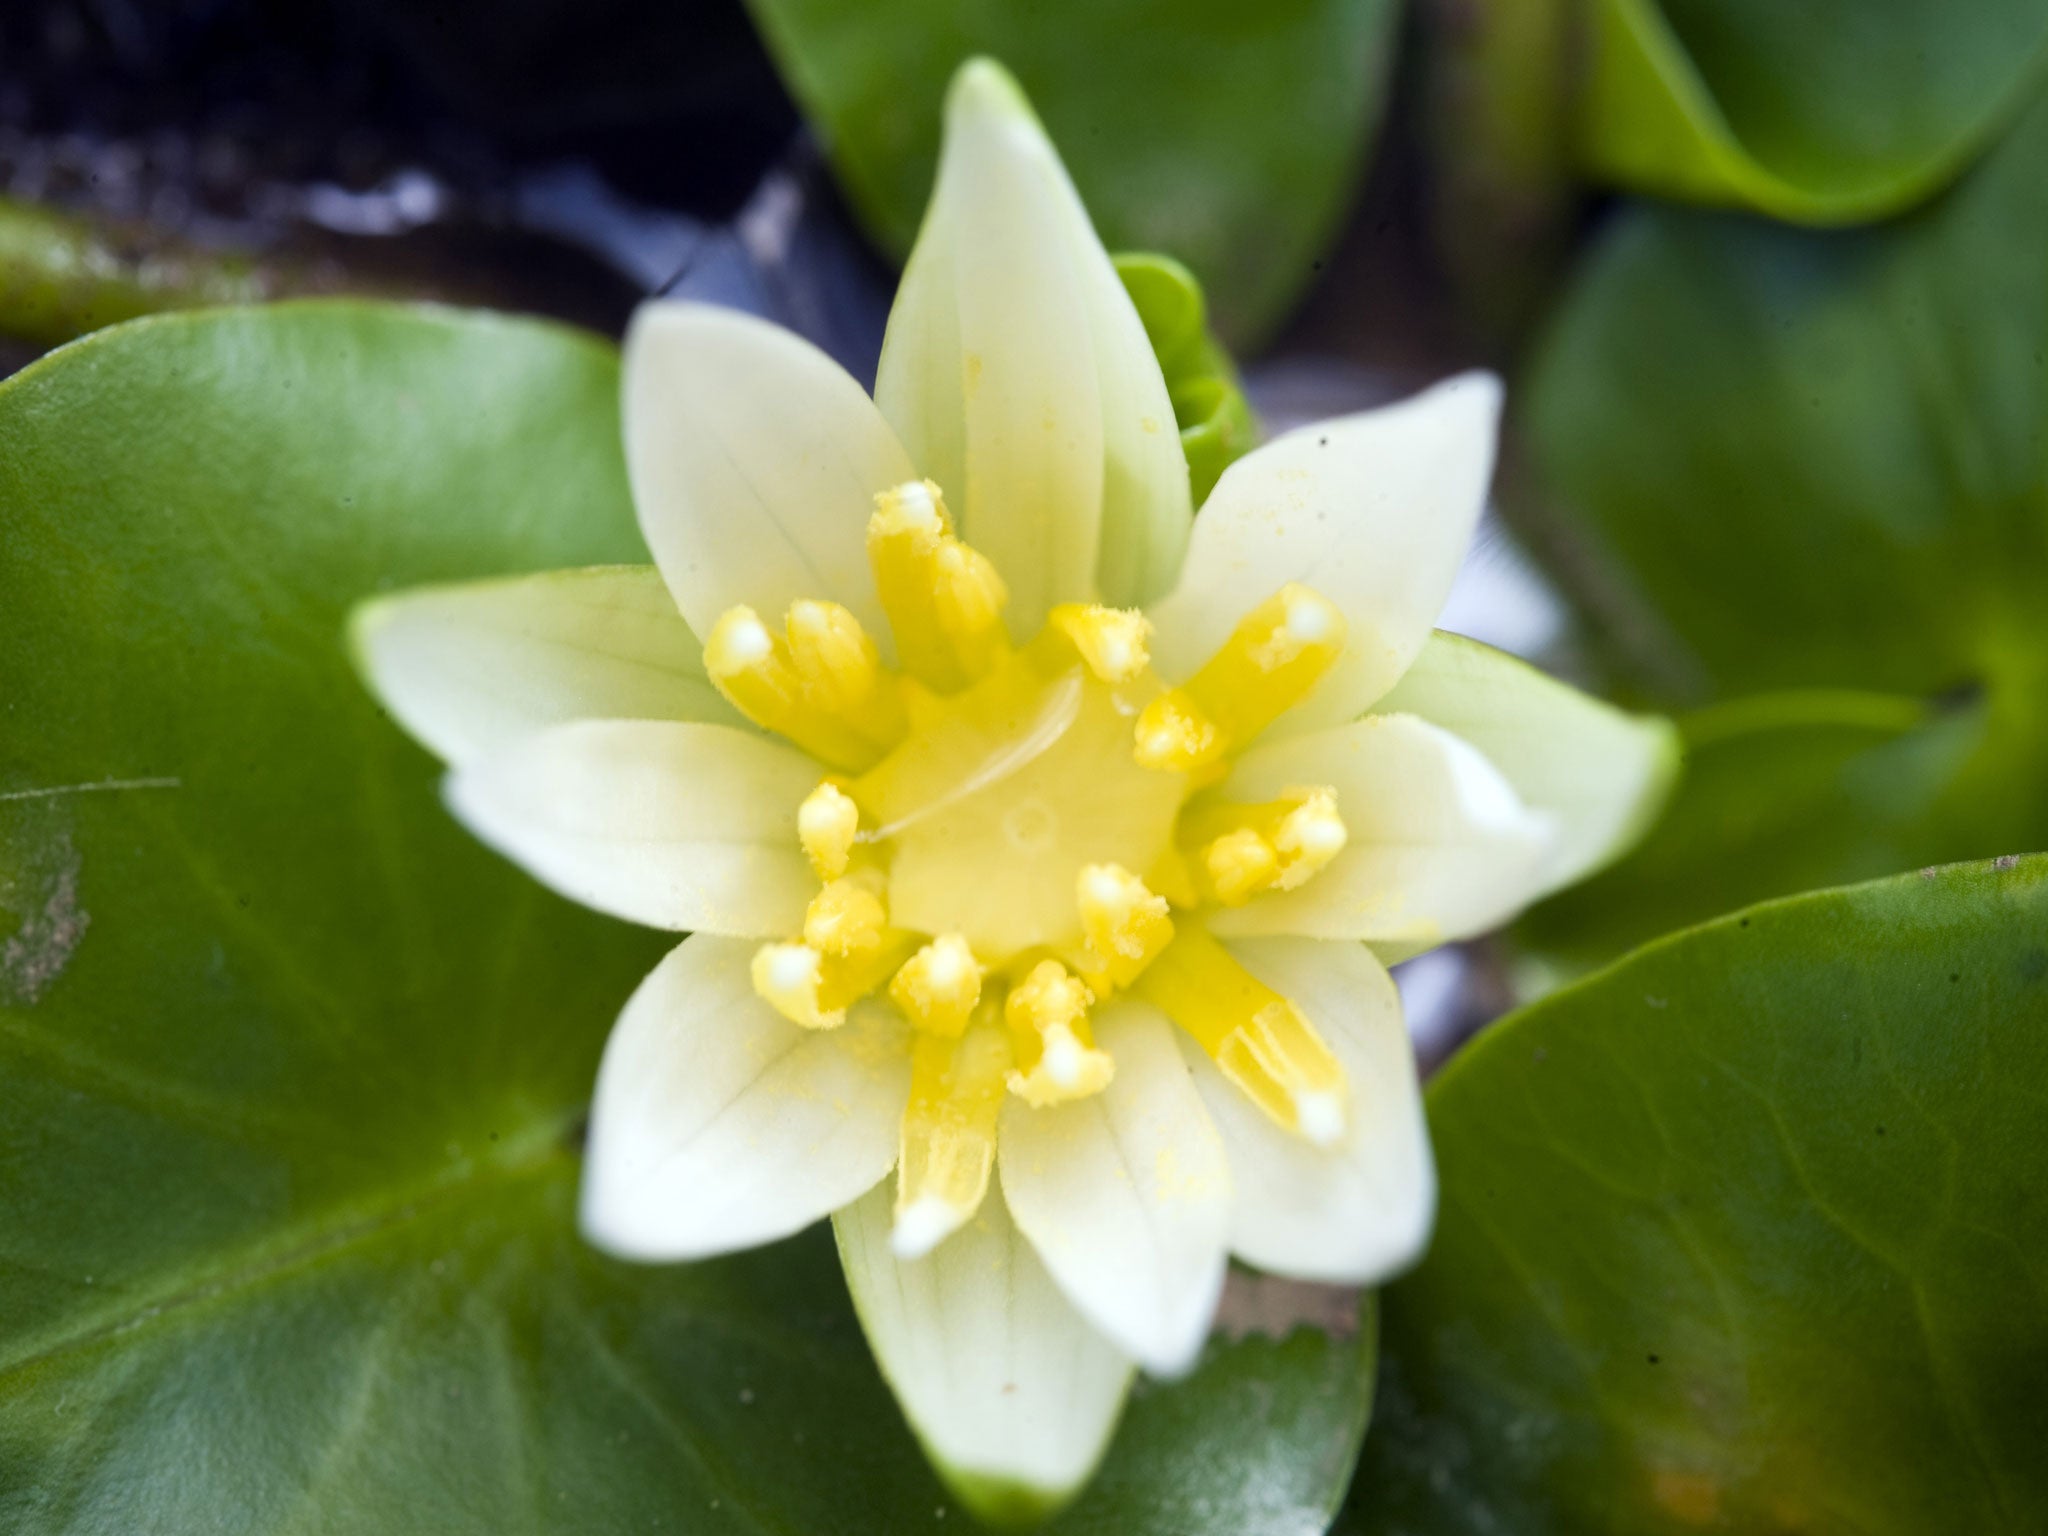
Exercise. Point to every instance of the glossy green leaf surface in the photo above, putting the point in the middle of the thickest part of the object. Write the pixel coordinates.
(1747, 1233)
(1823, 112)
(1795, 468)
(1229, 136)
(292, 1070)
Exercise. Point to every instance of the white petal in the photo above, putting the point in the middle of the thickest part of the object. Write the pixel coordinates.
(719, 1125)
(1373, 511)
(1600, 773)
(1357, 1212)
(1126, 1195)
(1020, 377)
(1012, 1395)
(691, 827)
(1440, 846)
(472, 667)
(755, 461)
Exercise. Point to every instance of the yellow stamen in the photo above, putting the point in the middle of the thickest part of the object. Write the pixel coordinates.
(1111, 640)
(949, 1135)
(1126, 925)
(1259, 1040)
(846, 918)
(939, 987)
(753, 667)
(1245, 849)
(826, 824)
(1268, 665)
(842, 673)
(1048, 1017)
(810, 987)
(944, 600)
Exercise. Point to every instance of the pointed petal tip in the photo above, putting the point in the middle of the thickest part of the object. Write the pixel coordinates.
(982, 90)
(1006, 1503)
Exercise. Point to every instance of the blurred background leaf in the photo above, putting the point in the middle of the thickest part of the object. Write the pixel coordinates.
(292, 1070)
(1744, 1234)
(1230, 136)
(1790, 468)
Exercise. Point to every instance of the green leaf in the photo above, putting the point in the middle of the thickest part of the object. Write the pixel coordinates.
(1790, 466)
(1217, 427)
(1747, 1233)
(292, 1070)
(1230, 137)
(1825, 112)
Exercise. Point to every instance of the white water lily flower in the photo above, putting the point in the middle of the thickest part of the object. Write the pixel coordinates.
(1035, 837)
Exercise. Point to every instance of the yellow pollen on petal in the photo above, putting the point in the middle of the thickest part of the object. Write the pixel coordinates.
(1112, 641)
(1272, 659)
(939, 987)
(1125, 924)
(944, 599)
(1245, 849)
(826, 824)
(949, 1134)
(1057, 1060)
(1258, 1039)
(758, 673)
(846, 918)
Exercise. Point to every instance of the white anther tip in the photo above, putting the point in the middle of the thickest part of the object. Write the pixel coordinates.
(1063, 1060)
(792, 966)
(914, 504)
(748, 641)
(922, 1226)
(1308, 619)
(1321, 1117)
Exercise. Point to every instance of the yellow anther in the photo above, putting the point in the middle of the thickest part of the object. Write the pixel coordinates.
(755, 669)
(1111, 640)
(826, 824)
(1126, 925)
(939, 987)
(1309, 836)
(1266, 667)
(789, 978)
(949, 1135)
(1174, 735)
(1245, 849)
(1048, 1017)
(809, 986)
(1239, 865)
(1259, 1039)
(841, 672)
(944, 600)
(846, 918)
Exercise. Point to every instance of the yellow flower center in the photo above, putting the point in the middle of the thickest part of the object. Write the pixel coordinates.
(1014, 834)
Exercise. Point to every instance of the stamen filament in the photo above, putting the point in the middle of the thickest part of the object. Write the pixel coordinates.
(1267, 666)
(842, 673)
(1111, 640)
(939, 987)
(826, 824)
(1258, 1039)
(1057, 1060)
(949, 1135)
(810, 987)
(944, 599)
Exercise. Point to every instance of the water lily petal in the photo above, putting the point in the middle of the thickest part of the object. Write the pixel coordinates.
(1601, 773)
(1020, 377)
(1440, 846)
(719, 1125)
(1374, 511)
(1011, 1393)
(690, 827)
(1357, 1212)
(471, 667)
(755, 461)
(1126, 1194)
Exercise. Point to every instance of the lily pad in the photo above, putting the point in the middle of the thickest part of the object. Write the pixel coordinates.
(1747, 1233)
(1230, 138)
(292, 1070)
(1792, 471)
(1826, 112)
